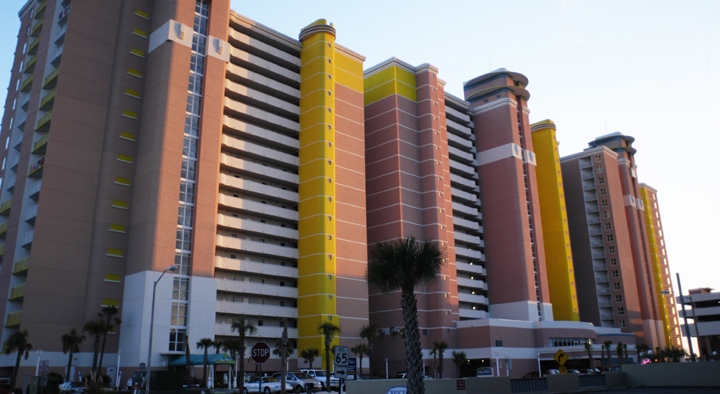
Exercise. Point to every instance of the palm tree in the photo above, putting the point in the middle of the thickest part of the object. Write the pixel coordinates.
(243, 326)
(404, 264)
(619, 349)
(361, 350)
(309, 356)
(18, 342)
(96, 328)
(328, 331)
(111, 321)
(369, 333)
(607, 346)
(71, 343)
(588, 348)
(217, 344)
(232, 345)
(204, 344)
(439, 348)
(459, 359)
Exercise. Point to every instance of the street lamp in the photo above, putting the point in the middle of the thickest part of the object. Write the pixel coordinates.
(171, 268)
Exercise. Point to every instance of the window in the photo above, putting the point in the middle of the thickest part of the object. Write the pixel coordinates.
(599, 169)
(611, 249)
(621, 323)
(615, 273)
(610, 237)
(608, 225)
(620, 311)
(618, 298)
(598, 158)
(499, 343)
(613, 261)
(606, 214)
(601, 180)
(616, 286)
(603, 191)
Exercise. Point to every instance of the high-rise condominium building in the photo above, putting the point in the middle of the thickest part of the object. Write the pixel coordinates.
(142, 135)
(149, 134)
(615, 264)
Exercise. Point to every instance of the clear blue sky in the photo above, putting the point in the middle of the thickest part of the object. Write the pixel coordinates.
(649, 69)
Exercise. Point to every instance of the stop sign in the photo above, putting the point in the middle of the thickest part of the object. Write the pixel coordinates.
(260, 352)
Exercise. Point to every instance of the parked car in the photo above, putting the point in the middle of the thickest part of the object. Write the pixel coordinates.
(531, 375)
(269, 385)
(320, 375)
(403, 375)
(301, 381)
(553, 372)
(73, 387)
(592, 371)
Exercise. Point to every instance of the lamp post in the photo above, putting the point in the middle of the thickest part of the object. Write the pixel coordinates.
(171, 268)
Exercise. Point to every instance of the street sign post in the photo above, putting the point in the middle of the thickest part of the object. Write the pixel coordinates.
(260, 353)
(342, 355)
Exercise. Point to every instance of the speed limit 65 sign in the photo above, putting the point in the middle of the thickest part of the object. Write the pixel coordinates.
(342, 353)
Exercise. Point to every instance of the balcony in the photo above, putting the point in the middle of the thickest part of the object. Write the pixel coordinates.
(5, 206)
(257, 227)
(256, 247)
(43, 123)
(51, 80)
(63, 17)
(260, 189)
(36, 169)
(17, 292)
(472, 283)
(472, 313)
(257, 208)
(13, 319)
(26, 84)
(60, 37)
(3, 228)
(27, 239)
(472, 298)
(34, 189)
(256, 268)
(21, 266)
(225, 329)
(34, 45)
(248, 309)
(40, 145)
(30, 214)
(41, 10)
(47, 100)
(471, 268)
(2, 249)
(256, 288)
(36, 29)
(30, 65)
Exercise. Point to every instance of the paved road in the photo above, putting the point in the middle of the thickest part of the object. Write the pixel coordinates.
(663, 390)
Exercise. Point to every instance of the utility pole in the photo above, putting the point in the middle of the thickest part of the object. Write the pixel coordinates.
(687, 327)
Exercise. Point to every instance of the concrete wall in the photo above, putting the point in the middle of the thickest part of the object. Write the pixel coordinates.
(705, 374)
(434, 386)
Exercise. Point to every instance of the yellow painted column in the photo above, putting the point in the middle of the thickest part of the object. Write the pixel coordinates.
(316, 226)
(558, 253)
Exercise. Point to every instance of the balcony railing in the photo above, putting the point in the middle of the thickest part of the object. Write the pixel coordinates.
(21, 265)
(47, 100)
(17, 292)
(36, 168)
(44, 123)
(37, 27)
(51, 79)
(13, 319)
(26, 84)
(34, 45)
(3, 228)
(40, 143)
(30, 65)
(5, 206)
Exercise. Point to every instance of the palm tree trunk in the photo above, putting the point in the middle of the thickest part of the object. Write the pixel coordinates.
(241, 359)
(69, 366)
(96, 349)
(102, 353)
(412, 342)
(15, 370)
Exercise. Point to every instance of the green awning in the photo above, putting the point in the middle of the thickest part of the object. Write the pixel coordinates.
(197, 359)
